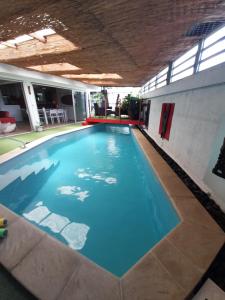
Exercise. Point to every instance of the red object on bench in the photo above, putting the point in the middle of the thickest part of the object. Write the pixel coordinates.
(4, 114)
(7, 123)
(8, 120)
(5, 117)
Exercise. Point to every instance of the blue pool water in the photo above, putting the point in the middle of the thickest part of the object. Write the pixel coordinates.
(94, 191)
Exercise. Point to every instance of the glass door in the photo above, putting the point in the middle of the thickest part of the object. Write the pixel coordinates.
(80, 105)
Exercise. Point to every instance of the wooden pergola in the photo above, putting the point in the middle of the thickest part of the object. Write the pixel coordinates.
(108, 43)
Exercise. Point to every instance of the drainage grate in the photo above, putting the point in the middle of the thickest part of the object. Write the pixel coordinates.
(204, 28)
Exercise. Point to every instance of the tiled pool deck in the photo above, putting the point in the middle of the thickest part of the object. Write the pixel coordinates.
(50, 270)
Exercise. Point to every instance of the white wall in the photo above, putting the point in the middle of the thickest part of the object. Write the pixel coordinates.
(198, 126)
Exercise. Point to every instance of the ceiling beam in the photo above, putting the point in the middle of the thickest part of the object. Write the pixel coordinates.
(40, 38)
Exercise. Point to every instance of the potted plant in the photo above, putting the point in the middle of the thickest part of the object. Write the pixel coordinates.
(97, 99)
(132, 104)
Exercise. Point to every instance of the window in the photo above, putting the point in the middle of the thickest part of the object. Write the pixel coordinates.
(187, 64)
(185, 56)
(152, 82)
(213, 61)
(184, 65)
(183, 74)
(204, 55)
(164, 71)
(213, 52)
(213, 49)
(214, 37)
(161, 84)
(162, 78)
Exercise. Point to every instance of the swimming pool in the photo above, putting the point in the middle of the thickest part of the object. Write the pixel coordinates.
(94, 191)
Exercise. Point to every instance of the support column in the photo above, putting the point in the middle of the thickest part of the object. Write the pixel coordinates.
(31, 105)
(87, 98)
(169, 73)
(74, 106)
(198, 56)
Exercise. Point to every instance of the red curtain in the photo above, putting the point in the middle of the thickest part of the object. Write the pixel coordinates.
(166, 120)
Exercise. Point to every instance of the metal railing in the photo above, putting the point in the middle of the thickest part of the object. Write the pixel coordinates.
(159, 80)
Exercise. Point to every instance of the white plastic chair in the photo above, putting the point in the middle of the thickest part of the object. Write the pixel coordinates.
(53, 114)
(61, 114)
(43, 116)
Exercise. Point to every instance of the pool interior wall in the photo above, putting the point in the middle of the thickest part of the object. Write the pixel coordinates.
(95, 191)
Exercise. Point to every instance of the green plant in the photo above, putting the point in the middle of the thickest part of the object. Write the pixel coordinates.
(97, 97)
(125, 106)
(130, 106)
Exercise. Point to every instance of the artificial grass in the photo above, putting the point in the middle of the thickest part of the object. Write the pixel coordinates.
(7, 145)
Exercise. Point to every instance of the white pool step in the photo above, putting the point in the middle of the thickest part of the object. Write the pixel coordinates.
(24, 172)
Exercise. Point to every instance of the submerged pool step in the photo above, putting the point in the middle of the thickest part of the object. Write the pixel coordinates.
(31, 184)
(25, 171)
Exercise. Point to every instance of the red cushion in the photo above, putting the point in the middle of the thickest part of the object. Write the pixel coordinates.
(8, 120)
(4, 114)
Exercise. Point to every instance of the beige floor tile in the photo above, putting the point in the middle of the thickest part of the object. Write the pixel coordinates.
(191, 210)
(197, 242)
(22, 237)
(163, 169)
(148, 280)
(178, 265)
(47, 268)
(151, 153)
(7, 214)
(174, 186)
(210, 291)
(92, 283)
